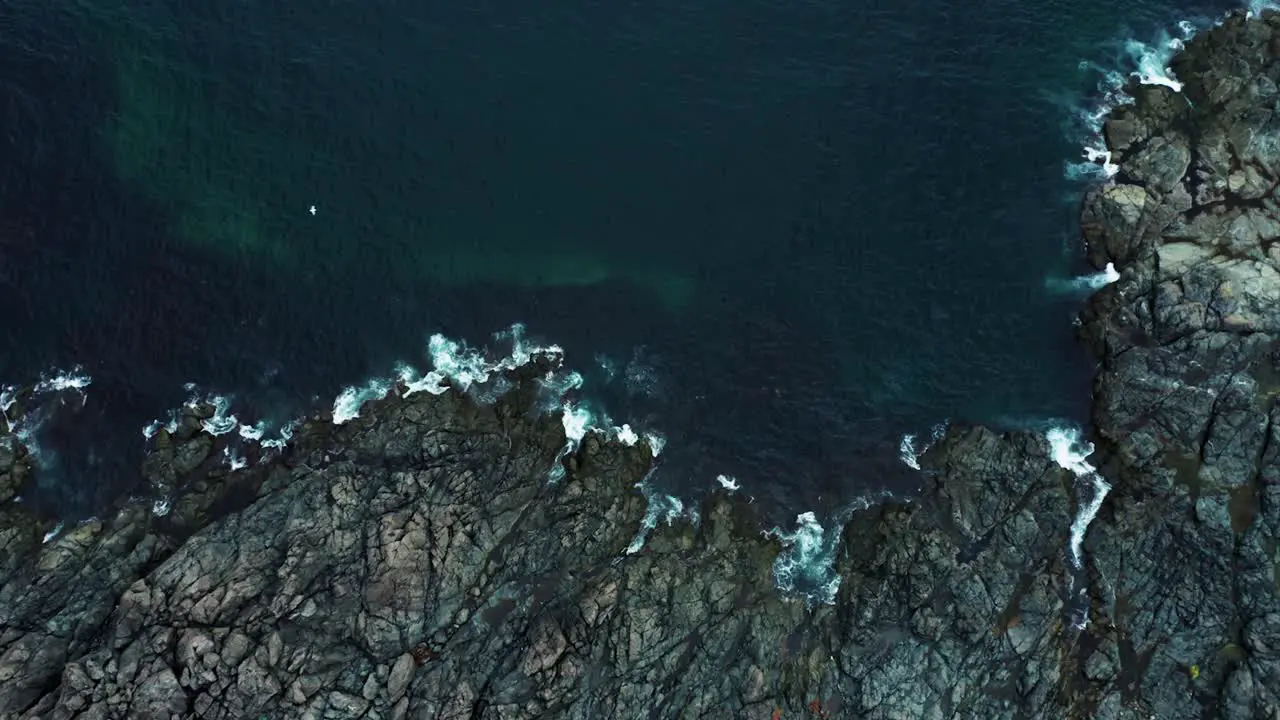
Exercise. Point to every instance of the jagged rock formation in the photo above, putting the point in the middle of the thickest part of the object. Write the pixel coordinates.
(1185, 401)
(417, 562)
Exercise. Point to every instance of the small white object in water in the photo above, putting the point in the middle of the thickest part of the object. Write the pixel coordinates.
(313, 209)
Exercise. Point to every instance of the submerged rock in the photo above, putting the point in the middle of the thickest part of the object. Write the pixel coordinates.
(417, 561)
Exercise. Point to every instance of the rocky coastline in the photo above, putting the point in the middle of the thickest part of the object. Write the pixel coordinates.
(416, 562)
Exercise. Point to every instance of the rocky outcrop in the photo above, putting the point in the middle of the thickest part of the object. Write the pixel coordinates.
(418, 562)
(423, 561)
(1185, 553)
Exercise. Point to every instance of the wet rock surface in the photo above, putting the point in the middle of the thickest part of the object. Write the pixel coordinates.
(420, 562)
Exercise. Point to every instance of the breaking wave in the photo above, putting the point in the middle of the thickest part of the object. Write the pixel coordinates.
(1083, 285)
(910, 448)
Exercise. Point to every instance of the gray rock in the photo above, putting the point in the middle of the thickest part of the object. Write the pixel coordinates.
(401, 674)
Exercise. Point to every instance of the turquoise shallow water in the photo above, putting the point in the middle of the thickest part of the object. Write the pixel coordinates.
(799, 229)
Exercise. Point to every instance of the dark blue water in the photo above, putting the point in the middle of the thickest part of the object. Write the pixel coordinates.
(811, 226)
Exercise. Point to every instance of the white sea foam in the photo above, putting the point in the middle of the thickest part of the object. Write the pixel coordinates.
(1153, 59)
(455, 364)
(458, 366)
(221, 423)
(461, 365)
(576, 420)
(806, 566)
(74, 379)
(937, 431)
(656, 443)
(155, 426)
(346, 407)
(910, 448)
(8, 396)
(661, 508)
(27, 427)
(1071, 451)
(235, 460)
(1097, 164)
(286, 434)
(626, 435)
(1255, 7)
(1148, 63)
(907, 451)
(556, 385)
(171, 424)
(1084, 284)
(253, 433)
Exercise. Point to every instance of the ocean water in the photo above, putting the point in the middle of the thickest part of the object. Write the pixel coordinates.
(781, 234)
